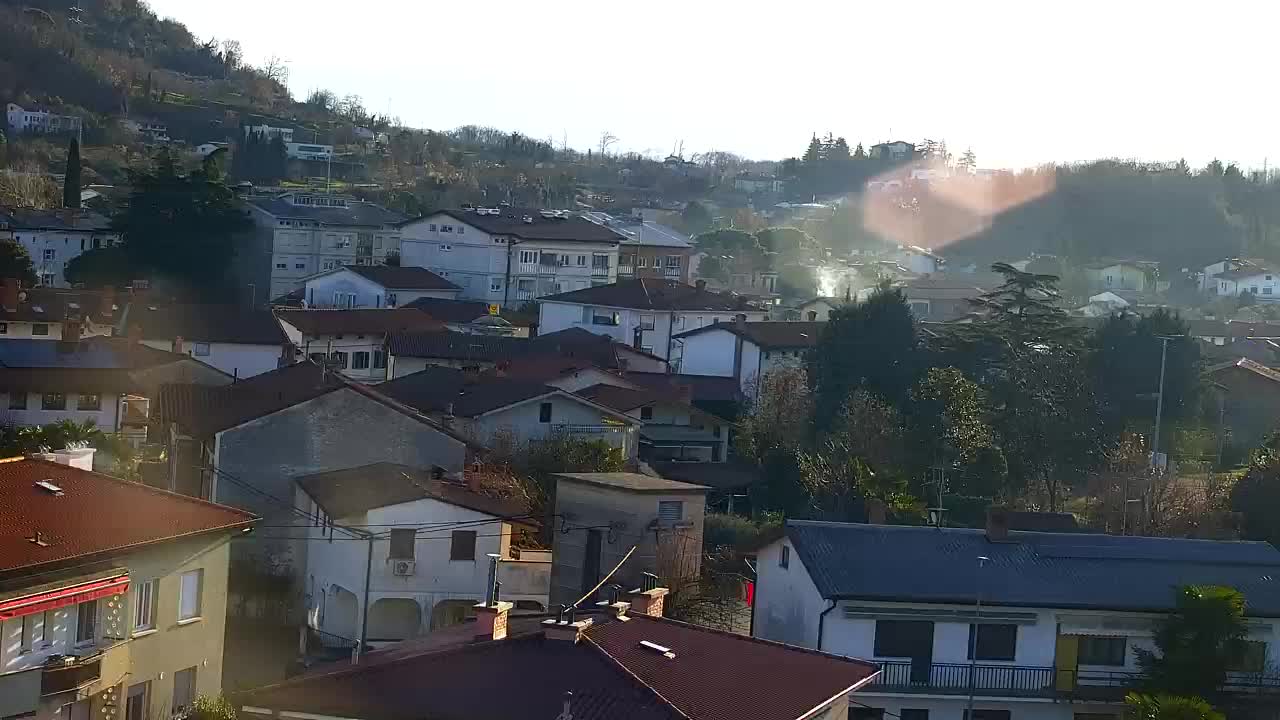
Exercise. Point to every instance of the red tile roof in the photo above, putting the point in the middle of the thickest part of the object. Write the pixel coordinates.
(94, 515)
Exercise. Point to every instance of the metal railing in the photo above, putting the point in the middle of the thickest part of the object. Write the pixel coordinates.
(599, 271)
(956, 679)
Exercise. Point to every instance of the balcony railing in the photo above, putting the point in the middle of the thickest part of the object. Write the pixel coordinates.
(599, 271)
(74, 673)
(671, 272)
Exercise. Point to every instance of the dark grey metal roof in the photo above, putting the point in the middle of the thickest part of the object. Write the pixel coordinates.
(356, 212)
(76, 220)
(1031, 569)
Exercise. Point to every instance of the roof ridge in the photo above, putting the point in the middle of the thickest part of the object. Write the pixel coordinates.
(149, 488)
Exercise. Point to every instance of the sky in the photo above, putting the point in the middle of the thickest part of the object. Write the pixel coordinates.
(1021, 83)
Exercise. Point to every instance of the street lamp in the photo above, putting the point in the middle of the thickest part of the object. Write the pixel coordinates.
(1155, 438)
(973, 636)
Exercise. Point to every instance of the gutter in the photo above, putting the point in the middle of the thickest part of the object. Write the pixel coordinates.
(822, 619)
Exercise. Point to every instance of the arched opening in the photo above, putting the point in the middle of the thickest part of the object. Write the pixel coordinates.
(451, 612)
(340, 613)
(530, 605)
(393, 619)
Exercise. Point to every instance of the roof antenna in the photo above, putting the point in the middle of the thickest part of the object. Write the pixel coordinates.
(567, 713)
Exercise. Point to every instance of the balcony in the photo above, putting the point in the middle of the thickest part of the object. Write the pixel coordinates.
(598, 271)
(626, 270)
(671, 273)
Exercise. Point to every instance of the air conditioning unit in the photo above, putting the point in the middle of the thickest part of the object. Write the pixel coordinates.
(403, 568)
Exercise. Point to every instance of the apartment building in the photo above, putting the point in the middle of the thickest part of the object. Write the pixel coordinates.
(648, 249)
(745, 351)
(54, 237)
(1033, 625)
(300, 234)
(23, 121)
(353, 342)
(269, 132)
(103, 618)
(510, 255)
(374, 286)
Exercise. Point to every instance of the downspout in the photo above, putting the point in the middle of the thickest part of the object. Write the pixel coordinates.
(364, 610)
(671, 327)
(822, 619)
(506, 279)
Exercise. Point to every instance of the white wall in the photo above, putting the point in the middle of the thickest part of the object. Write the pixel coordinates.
(350, 344)
(320, 291)
(523, 421)
(1263, 284)
(10, 330)
(235, 359)
(708, 353)
(107, 419)
(51, 250)
(554, 316)
(787, 602)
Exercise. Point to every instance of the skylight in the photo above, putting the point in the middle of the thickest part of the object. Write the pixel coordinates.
(48, 486)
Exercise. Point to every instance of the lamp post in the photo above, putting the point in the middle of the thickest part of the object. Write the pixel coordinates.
(973, 637)
(1155, 438)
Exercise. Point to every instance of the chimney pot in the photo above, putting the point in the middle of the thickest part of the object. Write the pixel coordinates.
(564, 630)
(491, 620)
(177, 345)
(648, 602)
(701, 285)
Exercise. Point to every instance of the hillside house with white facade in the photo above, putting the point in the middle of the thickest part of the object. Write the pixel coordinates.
(54, 237)
(512, 255)
(353, 342)
(23, 122)
(301, 234)
(45, 313)
(643, 313)
(745, 351)
(1041, 626)
(1260, 282)
(308, 151)
(374, 286)
(269, 132)
(415, 578)
(239, 341)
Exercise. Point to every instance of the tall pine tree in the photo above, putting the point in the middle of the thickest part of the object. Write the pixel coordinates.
(71, 184)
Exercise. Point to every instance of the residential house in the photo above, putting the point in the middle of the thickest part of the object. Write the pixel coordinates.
(45, 313)
(206, 149)
(308, 151)
(649, 249)
(819, 309)
(1135, 276)
(493, 410)
(511, 255)
(601, 517)
(1248, 395)
(91, 379)
(919, 260)
(300, 234)
(473, 317)
(643, 313)
(942, 298)
(1041, 625)
(241, 342)
(624, 663)
(426, 559)
(246, 445)
(753, 183)
(1207, 277)
(154, 130)
(410, 352)
(39, 122)
(894, 150)
(374, 286)
(270, 133)
(113, 595)
(54, 237)
(672, 429)
(1261, 282)
(1231, 332)
(353, 342)
(745, 351)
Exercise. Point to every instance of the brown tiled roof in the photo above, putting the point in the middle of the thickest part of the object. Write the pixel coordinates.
(713, 676)
(43, 304)
(705, 388)
(94, 364)
(1246, 364)
(731, 475)
(402, 278)
(208, 323)
(359, 322)
(94, 515)
(573, 344)
(451, 311)
(769, 334)
(435, 388)
(353, 491)
(653, 294)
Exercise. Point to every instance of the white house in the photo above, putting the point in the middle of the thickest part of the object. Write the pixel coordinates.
(269, 132)
(45, 313)
(23, 121)
(645, 313)
(374, 286)
(354, 342)
(491, 409)
(819, 309)
(511, 255)
(919, 260)
(1041, 625)
(307, 233)
(751, 183)
(54, 237)
(895, 150)
(241, 342)
(1120, 276)
(1261, 282)
(430, 538)
(308, 151)
(208, 148)
(672, 429)
(746, 351)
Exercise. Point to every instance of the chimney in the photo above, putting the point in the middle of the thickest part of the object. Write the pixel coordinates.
(491, 615)
(472, 479)
(739, 320)
(997, 524)
(177, 345)
(563, 627)
(615, 603)
(10, 297)
(71, 331)
(648, 600)
(877, 511)
(701, 285)
(107, 303)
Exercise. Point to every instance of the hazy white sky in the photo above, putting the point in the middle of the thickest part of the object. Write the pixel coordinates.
(1019, 82)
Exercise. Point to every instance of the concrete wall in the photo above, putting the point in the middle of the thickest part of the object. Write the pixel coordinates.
(236, 359)
(708, 353)
(107, 418)
(582, 505)
(523, 421)
(555, 316)
(51, 250)
(787, 602)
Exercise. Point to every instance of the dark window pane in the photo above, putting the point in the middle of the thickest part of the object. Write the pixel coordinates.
(1097, 650)
(988, 714)
(544, 412)
(402, 543)
(902, 638)
(995, 642)
(913, 714)
(463, 545)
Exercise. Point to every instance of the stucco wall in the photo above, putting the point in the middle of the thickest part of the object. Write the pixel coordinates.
(107, 418)
(236, 359)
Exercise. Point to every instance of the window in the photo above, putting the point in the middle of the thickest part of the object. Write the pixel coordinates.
(784, 557)
(299, 266)
(50, 254)
(1266, 291)
(495, 284)
(1268, 277)
(646, 322)
(902, 638)
(913, 714)
(673, 261)
(340, 360)
(581, 261)
(462, 545)
(330, 264)
(360, 361)
(344, 300)
(184, 689)
(528, 256)
(564, 261)
(200, 349)
(680, 322)
(461, 229)
(27, 640)
(135, 704)
(446, 248)
(87, 622)
(144, 605)
(40, 328)
(606, 317)
(994, 642)
(642, 261)
(17, 401)
(1101, 650)
(988, 714)
(86, 401)
(282, 266)
(379, 360)
(446, 228)
(599, 263)
(646, 412)
(189, 594)
(4, 328)
(670, 511)
(431, 227)
(402, 540)
(544, 412)
(46, 278)
(53, 401)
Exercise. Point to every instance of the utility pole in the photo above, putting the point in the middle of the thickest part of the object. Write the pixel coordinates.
(1155, 442)
(973, 637)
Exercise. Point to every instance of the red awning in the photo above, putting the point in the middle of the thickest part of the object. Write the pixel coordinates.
(62, 597)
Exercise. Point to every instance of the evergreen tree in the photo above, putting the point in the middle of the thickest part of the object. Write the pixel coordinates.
(71, 184)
